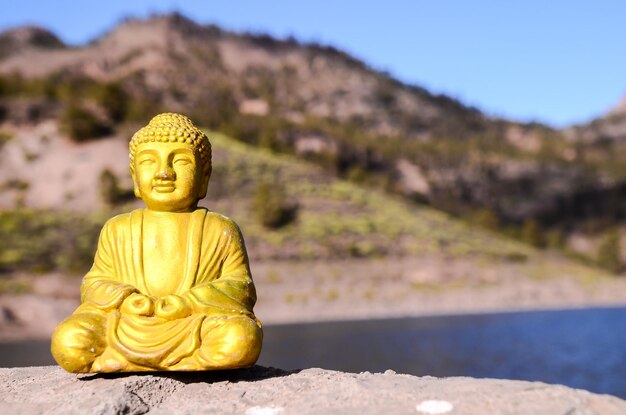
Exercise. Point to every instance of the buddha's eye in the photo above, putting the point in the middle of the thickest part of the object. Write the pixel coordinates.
(182, 161)
(146, 161)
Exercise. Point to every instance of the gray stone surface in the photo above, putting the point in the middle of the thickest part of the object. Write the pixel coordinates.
(268, 391)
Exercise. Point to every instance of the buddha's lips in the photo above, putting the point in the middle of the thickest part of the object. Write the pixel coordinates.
(166, 187)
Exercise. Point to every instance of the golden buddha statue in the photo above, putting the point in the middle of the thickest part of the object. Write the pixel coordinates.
(170, 287)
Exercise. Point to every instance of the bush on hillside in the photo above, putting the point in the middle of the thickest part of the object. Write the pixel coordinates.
(268, 135)
(110, 189)
(114, 99)
(486, 218)
(532, 233)
(38, 241)
(609, 252)
(272, 207)
(11, 84)
(81, 124)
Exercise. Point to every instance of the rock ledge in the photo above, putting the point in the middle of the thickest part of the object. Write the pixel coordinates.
(267, 391)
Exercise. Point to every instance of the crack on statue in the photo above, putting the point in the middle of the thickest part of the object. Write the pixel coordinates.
(255, 373)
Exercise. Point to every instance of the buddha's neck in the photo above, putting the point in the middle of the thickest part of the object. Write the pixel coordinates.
(166, 215)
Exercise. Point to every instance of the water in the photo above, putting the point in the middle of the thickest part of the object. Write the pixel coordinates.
(579, 348)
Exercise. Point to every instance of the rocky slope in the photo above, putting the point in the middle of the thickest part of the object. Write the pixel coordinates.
(26, 38)
(184, 65)
(609, 128)
(322, 104)
(266, 391)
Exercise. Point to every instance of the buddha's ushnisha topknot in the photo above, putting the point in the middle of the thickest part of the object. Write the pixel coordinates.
(172, 128)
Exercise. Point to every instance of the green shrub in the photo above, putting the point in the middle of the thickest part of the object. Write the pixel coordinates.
(13, 287)
(356, 174)
(268, 135)
(246, 128)
(110, 189)
(142, 110)
(81, 124)
(487, 219)
(5, 137)
(385, 93)
(272, 207)
(555, 239)
(11, 84)
(15, 184)
(72, 88)
(114, 99)
(609, 252)
(532, 234)
(36, 241)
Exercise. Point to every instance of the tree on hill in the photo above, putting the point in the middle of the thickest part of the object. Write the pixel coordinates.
(610, 252)
(114, 99)
(81, 124)
(532, 234)
(272, 207)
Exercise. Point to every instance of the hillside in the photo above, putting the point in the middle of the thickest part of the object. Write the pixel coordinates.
(608, 129)
(319, 104)
(333, 218)
(25, 38)
(349, 252)
(184, 65)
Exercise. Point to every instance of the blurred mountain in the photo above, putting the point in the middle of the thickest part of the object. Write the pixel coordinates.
(323, 105)
(608, 128)
(183, 65)
(26, 38)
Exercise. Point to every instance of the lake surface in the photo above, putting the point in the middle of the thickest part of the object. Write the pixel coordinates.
(579, 348)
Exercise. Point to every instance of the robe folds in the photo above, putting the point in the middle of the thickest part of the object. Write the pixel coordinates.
(215, 283)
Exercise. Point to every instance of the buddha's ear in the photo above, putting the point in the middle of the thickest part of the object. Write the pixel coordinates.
(135, 187)
(204, 184)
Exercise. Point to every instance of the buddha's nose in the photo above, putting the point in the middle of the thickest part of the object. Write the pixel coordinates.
(165, 174)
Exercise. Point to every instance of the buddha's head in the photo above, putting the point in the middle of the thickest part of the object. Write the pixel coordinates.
(170, 163)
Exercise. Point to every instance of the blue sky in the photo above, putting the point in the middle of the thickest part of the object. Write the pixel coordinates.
(556, 61)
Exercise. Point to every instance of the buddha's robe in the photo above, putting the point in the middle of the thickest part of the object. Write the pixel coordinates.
(218, 329)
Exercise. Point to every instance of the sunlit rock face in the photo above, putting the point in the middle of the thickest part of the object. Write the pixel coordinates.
(262, 390)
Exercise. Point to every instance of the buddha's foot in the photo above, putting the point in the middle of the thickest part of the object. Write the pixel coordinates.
(227, 343)
(109, 361)
(78, 341)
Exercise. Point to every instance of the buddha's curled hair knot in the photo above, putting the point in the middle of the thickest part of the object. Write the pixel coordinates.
(172, 128)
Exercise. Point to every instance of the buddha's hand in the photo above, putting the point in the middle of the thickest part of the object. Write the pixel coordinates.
(138, 304)
(172, 307)
(123, 292)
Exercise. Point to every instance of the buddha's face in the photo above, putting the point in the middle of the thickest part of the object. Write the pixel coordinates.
(168, 176)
